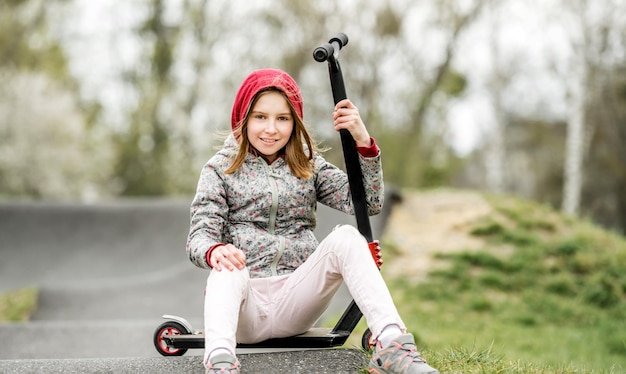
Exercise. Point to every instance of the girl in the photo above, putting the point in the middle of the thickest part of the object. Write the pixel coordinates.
(252, 222)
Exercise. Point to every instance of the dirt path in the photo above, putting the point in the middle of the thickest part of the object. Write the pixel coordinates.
(429, 222)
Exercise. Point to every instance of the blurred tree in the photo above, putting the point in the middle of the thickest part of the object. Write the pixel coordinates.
(297, 50)
(577, 159)
(452, 19)
(594, 168)
(604, 196)
(156, 153)
(144, 149)
(573, 170)
(24, 44)
(534, 157)
(46, 150)
(42, 152)
(381, 58)
(496, 150)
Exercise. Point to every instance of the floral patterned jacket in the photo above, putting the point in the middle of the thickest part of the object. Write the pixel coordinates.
(266, 211)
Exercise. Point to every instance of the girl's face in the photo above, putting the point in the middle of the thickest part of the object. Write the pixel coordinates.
(270, 124)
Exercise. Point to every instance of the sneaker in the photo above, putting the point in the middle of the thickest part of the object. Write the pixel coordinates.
(223, 364)
(400, 357)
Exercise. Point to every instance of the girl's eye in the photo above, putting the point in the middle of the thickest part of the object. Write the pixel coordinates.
(259, 116)
(284, 118)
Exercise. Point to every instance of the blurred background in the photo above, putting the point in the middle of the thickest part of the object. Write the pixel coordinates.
(107, 99)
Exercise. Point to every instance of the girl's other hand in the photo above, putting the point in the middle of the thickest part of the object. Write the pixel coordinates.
(346, 116)
(228, 257)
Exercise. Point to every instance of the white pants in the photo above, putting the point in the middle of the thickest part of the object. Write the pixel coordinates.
(244, 310)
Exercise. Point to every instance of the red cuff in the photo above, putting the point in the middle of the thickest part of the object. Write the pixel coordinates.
(208, 253)
(371, 151)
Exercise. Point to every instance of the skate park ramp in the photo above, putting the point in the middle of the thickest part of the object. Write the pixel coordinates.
(106, 273)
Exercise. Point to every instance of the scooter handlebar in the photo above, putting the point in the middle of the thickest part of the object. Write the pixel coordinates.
(321, 53)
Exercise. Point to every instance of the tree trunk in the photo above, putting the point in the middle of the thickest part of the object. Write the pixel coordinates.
(574, 154)
(575, 141)
(496, 154)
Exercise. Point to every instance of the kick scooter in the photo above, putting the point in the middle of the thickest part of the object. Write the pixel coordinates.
(175, 336)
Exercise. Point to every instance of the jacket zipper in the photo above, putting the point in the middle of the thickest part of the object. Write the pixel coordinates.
(273, 213)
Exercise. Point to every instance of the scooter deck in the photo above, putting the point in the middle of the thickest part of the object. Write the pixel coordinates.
(314, 338)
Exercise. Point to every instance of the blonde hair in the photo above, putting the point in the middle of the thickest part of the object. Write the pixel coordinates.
(300, 164)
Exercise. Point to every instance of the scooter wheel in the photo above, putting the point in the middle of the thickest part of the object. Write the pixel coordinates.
(367, 340)
(167, 329)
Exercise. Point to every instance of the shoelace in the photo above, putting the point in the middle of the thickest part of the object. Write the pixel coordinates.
(410, 352)
(413, 353)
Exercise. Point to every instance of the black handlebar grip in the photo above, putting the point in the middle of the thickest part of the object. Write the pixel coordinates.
(340, 38)
(321, 53)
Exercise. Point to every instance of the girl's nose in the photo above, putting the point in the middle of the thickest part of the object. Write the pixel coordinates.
(271, 126)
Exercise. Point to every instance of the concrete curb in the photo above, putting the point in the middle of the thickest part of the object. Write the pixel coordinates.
(342, 360)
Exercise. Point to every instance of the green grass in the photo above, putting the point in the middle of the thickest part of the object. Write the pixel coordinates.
(18, 305)
(546, 294)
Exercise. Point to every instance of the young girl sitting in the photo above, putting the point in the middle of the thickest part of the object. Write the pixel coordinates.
(252, 222)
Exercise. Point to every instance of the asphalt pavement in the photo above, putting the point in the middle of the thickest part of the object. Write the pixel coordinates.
(329, 361)
(106, 273)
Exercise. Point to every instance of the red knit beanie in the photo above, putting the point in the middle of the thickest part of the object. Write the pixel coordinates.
(259, 80)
